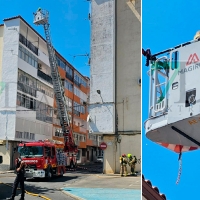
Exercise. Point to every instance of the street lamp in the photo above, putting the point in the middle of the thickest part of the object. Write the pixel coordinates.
(99, 92)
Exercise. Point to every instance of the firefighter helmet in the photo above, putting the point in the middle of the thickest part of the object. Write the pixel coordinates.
(129, 155)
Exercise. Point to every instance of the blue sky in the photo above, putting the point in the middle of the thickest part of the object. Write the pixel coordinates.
(166, 24)
(70, 27)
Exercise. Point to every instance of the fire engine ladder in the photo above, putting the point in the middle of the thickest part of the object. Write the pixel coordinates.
(41, 18)
(158, 86)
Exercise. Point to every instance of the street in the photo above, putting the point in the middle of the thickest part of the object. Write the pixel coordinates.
(80, 184)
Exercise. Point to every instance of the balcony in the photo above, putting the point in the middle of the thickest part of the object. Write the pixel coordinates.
(26, 89)
(68, 76)
(44, 76)
(28, 44)
(44, 118)
(77, 83)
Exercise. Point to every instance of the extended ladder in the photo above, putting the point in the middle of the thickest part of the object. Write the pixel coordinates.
(41, 17)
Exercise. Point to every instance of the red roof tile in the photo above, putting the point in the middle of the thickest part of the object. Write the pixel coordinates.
(150, 192)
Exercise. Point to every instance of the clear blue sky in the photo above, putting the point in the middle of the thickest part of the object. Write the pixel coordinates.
(166, 24)
(70, 27)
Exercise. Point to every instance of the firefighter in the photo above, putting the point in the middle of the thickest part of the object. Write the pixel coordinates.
(123, 163)
(20, 170)
(39, 9)
(132, 160)
(197, 36)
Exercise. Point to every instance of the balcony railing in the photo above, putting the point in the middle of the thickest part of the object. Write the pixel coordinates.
(28, 44)
(44, 76)
(43, 117)
(26, 89)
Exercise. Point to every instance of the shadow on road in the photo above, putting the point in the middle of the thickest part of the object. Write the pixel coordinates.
(54, 179)
(5, 191)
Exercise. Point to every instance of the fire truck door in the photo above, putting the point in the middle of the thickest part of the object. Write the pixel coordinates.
(53, 157)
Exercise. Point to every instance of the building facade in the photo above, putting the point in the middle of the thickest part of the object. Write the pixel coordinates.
(115, 92)
(27, 105)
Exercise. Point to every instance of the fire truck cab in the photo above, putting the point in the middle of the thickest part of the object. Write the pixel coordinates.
(43, 158)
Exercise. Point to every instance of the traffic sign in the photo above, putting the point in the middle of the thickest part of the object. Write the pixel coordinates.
(103, 146)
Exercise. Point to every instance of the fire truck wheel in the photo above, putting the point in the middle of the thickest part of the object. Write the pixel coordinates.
(49, 173)
(61, 172)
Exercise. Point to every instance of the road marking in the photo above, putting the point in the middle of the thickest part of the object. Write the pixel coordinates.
(30, 193)
(103, 193)
(72, 195)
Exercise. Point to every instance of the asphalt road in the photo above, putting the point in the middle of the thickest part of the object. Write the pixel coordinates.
(83, 183)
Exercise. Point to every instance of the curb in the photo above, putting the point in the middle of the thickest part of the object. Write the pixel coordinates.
(6, 172)
(71, 195)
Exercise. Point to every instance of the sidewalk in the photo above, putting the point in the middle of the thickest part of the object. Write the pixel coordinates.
(6, 172)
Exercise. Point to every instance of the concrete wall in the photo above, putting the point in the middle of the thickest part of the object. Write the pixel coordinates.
(41, 129)
(109, 163)
(128, 67)
(7, 152)
(6, 158)
(102, 66)
(9, 78)
(1, 49)
(128, 71)
(121, 25)
(129, 144)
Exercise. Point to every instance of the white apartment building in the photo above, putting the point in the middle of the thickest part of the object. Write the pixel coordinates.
(26, 97)
(27, 104)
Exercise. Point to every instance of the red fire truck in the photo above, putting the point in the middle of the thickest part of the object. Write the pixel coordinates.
(45, 158)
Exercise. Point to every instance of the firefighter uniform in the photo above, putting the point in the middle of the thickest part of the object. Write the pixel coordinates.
(123, 163)
(19, 179)
(132, 162)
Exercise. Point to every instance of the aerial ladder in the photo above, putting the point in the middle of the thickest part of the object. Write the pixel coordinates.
(41, 17)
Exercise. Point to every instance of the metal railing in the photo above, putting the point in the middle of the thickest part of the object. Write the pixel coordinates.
(26, 89)
(28, 44)
(44, 76)
(44, 118)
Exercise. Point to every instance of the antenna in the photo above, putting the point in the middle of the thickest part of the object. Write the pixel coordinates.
(82, 55)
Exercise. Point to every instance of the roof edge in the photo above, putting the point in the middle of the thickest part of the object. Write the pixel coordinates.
(20, 17)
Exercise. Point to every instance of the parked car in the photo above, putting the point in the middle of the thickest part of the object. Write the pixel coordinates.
(99, 159)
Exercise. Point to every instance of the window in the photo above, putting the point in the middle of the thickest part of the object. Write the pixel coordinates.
(47, 151)
(18, 134)
(26, 135)
(25, 101)
(83, 152)
(44, 112)
(32, 136)
(28, 57)
(68, 85)
(175, 60)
